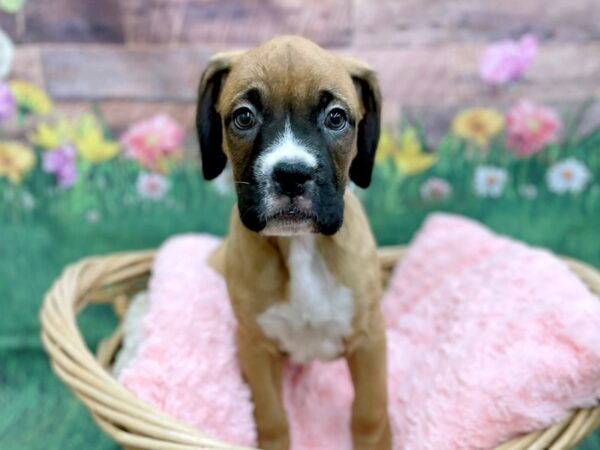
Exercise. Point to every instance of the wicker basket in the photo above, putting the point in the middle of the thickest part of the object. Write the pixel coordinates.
(137, 425)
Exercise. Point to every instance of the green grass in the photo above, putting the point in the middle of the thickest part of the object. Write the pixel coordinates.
(103, 213)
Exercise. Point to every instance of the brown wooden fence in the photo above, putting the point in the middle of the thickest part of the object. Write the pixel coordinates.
(136, 57)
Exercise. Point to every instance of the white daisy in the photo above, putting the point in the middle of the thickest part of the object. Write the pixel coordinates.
(27, 200)
(568, 175)
(152, 186)
(529, 191)
(489, 181)
(92, 216)
(435, 188)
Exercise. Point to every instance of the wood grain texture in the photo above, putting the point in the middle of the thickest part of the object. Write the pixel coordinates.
(27, 65)
(67, 21)
(248, 22)
(153, 21)
(448, 75)
(425, 51)
(329, 22)
(388, 23)
(431, 82)
(430, 75)
(148, 74)
(235, 22)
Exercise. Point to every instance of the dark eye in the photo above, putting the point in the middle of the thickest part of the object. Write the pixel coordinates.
(336, 119)
(244, 118)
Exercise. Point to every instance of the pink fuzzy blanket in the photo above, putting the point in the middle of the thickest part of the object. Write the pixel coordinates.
(488, 338)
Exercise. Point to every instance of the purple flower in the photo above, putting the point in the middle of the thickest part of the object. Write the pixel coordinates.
(507, 60)
(61, 162)
(66, 176)
(7, 102)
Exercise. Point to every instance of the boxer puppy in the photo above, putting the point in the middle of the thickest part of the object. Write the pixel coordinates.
(296, 123)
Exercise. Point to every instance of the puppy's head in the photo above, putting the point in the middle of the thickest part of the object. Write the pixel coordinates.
(295, 122)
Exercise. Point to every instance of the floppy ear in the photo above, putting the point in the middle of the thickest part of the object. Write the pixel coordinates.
(367, 87)
(208, 120)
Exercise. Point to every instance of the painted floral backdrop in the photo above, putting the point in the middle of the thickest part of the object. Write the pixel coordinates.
(528, 170)
(74, 184)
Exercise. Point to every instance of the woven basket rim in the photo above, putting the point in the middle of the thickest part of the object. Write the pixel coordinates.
(134, 423)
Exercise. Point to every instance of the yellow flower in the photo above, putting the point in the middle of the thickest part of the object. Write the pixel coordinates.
(94, 148)
(30, 98)
(407, 154)
(16, 160)
(49, 137)
(90, 142)
(385, 147)
(478, 124)
(410, 157)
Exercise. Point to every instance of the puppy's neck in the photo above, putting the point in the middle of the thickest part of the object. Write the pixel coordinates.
(284, 243)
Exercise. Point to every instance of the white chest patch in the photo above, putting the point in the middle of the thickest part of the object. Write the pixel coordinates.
(318, 316)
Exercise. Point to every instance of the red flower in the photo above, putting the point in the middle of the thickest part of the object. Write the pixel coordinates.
(152, 141)
(530, 127)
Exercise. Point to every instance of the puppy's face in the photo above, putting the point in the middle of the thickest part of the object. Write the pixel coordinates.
(295, 123)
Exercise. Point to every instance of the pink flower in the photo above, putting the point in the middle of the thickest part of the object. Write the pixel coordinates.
(435, 188)
(152, 141)
(507, 60)
(530, 127)
(61, 163)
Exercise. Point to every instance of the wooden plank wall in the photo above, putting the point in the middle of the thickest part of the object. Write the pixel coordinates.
(137, 57)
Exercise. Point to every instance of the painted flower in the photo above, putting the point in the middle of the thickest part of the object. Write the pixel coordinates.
(153, 141)
(530, 127)
(411, 158)
(7, 102)
(27, 200)
(152, 186)
(478, 125)
(7, 53)
(92, 216)
(507, 60)
(29, 98)
(529, 191)
(16, 160)
(61, 162)
(435, 188)
(385, 147)
(90, 142)
(489, 181)
(50, 136)
(407, 153)
(568, 175)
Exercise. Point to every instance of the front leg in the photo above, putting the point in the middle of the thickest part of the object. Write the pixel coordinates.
(368, 368)
(263, 372)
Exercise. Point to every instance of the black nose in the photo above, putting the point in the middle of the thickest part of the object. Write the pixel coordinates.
(291, 178)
